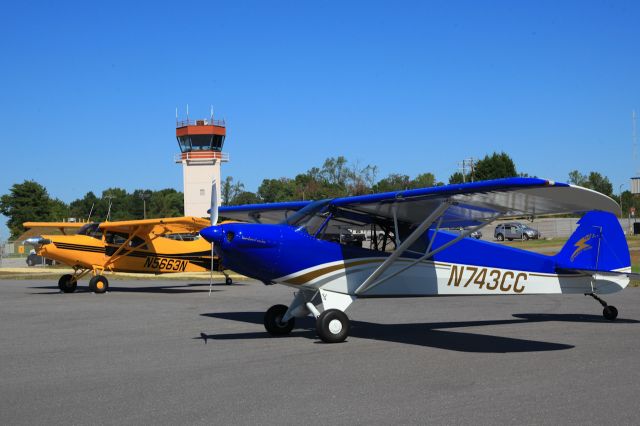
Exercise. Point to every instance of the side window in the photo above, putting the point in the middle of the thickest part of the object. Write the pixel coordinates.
(138, 243)
(116, 238)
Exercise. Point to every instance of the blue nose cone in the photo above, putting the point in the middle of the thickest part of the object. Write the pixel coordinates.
(213, 234)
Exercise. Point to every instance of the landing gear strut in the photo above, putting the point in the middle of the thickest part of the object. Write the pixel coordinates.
(609, 312)
(227, 280)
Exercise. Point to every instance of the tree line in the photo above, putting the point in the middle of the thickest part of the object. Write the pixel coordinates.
(29, 201)
(337, 177)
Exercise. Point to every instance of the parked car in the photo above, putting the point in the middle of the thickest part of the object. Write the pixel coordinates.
(33, 259)
(515, 231)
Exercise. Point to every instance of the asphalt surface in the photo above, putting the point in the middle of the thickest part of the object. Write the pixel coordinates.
(167, 353)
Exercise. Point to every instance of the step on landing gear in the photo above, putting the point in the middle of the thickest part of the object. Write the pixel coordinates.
(609, 312)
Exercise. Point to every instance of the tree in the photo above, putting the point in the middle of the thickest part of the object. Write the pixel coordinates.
(230, 190)
(335, 171)
(425, 180)
(165, 203)
(82, 207)
(245, 197)
(393, 182)
(495, 166)
(577, 178)
(29, 201)
(273, 190)
(360, 180)
(594, 181)
(600, 183)
(457, 177)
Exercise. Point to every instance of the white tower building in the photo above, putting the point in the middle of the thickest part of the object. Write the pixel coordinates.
(201, 155)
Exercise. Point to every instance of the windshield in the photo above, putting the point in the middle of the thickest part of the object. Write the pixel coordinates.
(309, 218)
(91, 230)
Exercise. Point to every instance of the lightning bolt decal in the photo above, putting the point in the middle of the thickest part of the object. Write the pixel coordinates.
(581, 246)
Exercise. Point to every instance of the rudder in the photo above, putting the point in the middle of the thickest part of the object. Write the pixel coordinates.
(599, 244)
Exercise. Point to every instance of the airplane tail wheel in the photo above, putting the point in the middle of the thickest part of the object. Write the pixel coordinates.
(500, 237)
(99, 284)
(67, 284)
(610, 313)
(273, 321)
(332, 326)
(228, 281)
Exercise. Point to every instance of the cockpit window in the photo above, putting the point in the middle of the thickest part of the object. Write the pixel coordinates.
(91, 230)
(118, 238)
(183, 237)
(310, 218)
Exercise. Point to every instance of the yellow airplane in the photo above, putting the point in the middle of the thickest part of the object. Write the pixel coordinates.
(157, 246)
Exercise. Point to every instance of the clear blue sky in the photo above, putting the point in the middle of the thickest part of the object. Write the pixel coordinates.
(89, 90)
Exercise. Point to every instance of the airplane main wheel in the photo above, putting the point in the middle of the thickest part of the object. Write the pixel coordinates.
(228, 281)
(525, 237)
(610, 313)
(500, 237)
(99, 284)
(332, 326)
(67, 284)
(273, 321)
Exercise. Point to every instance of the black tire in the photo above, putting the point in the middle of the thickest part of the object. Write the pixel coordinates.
(332, 326)
(610, 313)
(67, 284)
(500, 237)
(228, 281)
(99, 284)
(30, 262)
(273, 321)
(525, 237)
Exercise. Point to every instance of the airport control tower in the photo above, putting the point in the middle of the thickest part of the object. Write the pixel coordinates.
(201, 154)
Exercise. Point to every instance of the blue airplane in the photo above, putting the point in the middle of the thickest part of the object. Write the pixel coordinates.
(312, 246)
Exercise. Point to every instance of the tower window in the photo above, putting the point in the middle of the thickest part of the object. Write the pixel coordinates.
(202, 192)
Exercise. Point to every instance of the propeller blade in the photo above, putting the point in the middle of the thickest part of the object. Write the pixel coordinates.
(214, 221)
(214, 203)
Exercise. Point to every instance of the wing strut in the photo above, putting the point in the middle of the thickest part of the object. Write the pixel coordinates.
(370, 282)
(116, 255)
(405, 244)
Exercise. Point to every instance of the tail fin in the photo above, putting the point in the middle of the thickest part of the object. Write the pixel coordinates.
(598, 244)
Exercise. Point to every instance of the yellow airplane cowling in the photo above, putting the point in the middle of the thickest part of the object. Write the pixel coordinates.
(73, 250)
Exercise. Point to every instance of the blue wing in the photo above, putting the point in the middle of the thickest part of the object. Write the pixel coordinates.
(472, 203)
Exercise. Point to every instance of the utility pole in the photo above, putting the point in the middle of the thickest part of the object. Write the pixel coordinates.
(144, 196)
(109, 197)
(467, 163)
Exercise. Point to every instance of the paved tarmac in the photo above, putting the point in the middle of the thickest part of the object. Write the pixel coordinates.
(137, 355)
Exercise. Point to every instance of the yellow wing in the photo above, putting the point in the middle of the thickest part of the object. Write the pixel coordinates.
(162, 226)
(36, 228)
(57, 225)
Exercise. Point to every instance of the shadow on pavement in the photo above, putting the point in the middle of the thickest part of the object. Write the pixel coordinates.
(423, 334)
(167, 289)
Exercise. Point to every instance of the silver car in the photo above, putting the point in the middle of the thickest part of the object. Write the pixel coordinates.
(515, 231)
